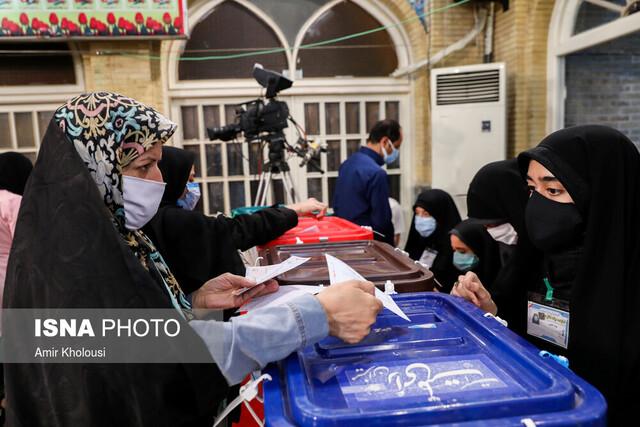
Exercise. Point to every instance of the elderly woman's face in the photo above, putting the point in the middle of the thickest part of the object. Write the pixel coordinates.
(146, 165)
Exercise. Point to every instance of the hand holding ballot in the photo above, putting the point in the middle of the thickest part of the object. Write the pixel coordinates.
(351, 303)
(224, 291)
(340, 272)
(261, 274)
(351, 306)
(351, 309)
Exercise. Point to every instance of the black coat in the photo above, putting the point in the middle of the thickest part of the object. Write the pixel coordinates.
(600, 168)
(197, 247)
(67, 254)
(14, 172)
(441, 206)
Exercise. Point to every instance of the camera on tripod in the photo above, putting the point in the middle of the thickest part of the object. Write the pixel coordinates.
(264, 120)
(257, 118)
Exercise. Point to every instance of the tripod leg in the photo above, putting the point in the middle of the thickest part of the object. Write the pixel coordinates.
(258, 198)
(287, 190)
(265, 193)
(287, 181)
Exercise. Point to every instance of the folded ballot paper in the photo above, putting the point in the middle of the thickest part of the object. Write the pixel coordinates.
(267, 272)
(338, 272)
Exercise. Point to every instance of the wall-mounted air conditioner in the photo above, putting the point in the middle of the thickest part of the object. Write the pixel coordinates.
(468, 124)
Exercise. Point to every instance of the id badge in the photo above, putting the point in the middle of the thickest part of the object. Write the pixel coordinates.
(428, 257)
(548, 320)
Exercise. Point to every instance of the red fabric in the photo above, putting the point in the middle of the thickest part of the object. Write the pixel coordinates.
(246, 419)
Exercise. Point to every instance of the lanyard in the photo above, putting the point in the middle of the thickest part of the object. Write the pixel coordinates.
(549, 295)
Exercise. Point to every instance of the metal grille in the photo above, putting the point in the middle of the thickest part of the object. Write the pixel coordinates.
(468, 88)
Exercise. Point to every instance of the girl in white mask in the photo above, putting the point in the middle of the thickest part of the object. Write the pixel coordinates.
(497, 198)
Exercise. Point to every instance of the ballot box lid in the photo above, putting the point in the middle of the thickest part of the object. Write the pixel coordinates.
(326, 229)
(450, 364)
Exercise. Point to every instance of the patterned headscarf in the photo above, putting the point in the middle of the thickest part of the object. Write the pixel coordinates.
(109, 131)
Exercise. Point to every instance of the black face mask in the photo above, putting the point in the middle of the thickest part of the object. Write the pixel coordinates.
(552, 226)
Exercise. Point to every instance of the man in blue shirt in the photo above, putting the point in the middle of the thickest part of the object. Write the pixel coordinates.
(362, 190)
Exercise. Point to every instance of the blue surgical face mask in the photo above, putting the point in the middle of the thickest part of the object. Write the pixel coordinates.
(191, 197)
(425, 225)
(465, 262)
(390, 158)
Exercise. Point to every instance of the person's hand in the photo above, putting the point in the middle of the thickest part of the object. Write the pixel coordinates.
(308, 207)
(219, 292)
(470, 288)
(351, 309)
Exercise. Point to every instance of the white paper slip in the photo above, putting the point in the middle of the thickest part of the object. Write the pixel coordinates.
(280, 297)
(390, 304)
(341, 272)
(262, 274)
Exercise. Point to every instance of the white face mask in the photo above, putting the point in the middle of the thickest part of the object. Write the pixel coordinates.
(504, 233)
(142, 198)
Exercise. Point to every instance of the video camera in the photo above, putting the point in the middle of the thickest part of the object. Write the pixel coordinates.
(264, 119)
(256, 117)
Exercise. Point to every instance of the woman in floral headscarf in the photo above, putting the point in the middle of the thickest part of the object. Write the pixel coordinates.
(96, 183)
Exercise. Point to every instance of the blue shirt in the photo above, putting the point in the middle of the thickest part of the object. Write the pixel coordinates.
(249, 342)
(362, 193)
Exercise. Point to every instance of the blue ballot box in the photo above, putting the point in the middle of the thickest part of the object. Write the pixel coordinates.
(450, 365)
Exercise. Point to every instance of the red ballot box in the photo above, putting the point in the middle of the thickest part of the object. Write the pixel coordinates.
(324, 230)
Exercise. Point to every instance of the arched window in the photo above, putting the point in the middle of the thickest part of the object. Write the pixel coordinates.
(372, 55)
(205, 94)
(591, 16)
(230, 29)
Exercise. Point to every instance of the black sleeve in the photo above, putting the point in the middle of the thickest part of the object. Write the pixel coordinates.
(261, 227)
(197, 247)
(188, 242)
